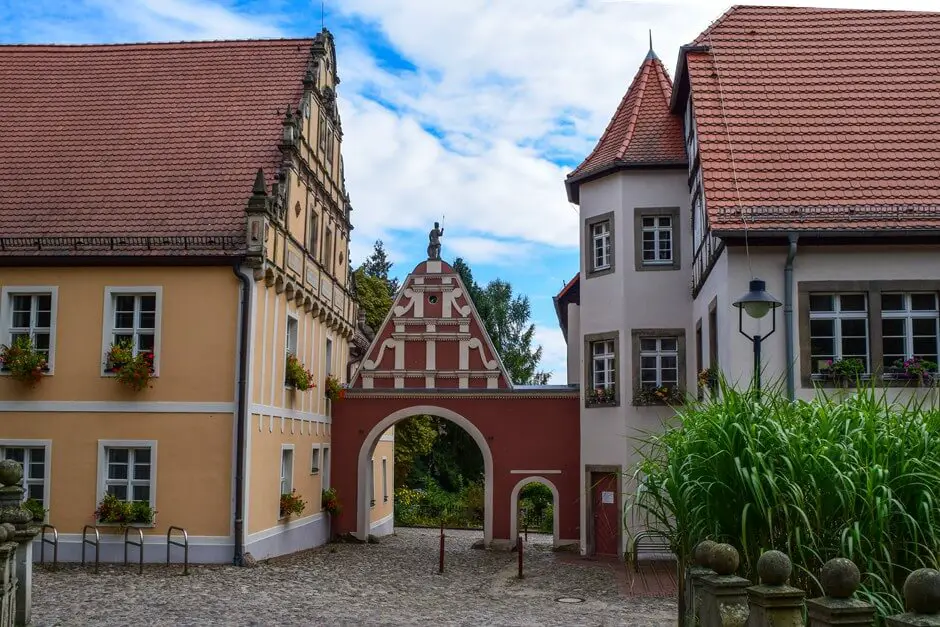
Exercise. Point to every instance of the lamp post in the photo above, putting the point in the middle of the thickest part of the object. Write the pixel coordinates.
(757, 303)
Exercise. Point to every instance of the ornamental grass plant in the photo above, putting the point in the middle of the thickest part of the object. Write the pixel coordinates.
(855, 477)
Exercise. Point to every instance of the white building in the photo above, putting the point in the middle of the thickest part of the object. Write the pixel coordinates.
(789, 150)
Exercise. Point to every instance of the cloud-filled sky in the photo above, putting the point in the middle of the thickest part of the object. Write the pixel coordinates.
(470, 111)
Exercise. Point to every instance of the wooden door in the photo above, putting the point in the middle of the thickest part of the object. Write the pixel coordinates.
(606, 509)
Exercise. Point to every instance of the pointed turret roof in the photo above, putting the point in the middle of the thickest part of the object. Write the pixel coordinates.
(642, 132)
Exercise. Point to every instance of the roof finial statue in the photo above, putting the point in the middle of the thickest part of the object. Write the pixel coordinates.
(434, 245)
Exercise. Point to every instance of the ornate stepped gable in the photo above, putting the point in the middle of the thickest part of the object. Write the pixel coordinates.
(432, 338)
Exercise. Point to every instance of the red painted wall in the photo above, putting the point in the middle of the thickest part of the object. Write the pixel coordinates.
(523, 434)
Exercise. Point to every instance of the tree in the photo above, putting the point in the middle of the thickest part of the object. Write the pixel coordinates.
(414, 439)
(506, 319)
(374, 297)
(377, 265)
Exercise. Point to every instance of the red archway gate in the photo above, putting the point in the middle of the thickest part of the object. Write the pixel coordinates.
(433, 356)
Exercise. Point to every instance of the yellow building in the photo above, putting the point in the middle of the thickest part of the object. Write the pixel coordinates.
(174, 244)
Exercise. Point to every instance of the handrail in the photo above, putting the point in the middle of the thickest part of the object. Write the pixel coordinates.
(95, 543)
(139, 545)
(55, 547)
(184, 544)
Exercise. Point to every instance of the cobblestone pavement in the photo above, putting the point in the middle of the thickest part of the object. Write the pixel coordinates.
(394, 582)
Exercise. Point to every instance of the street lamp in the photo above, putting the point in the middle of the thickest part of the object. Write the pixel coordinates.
(757, 303)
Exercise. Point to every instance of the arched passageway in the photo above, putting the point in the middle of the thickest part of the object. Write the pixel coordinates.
(371, 440)
(514, 504)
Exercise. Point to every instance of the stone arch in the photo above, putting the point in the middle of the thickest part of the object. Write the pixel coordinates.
(514, 508)
(372, 439)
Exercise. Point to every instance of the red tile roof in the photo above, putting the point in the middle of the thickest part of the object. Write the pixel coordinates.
(819, 119)
(141, 139)
(569, 285)
(642, 131)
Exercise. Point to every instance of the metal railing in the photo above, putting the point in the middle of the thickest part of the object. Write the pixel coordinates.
(95, 543)
(647, 541)
(184, 544)
(55, 546)
(140, 547)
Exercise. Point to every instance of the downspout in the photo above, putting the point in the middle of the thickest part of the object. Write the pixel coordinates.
(241, 410)
(788, 315)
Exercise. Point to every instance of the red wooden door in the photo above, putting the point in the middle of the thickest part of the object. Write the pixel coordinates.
(604, 494)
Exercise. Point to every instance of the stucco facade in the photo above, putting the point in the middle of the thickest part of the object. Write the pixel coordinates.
(218, 434)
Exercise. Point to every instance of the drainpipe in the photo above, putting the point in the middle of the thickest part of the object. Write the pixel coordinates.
(241, 410)
(788, 315)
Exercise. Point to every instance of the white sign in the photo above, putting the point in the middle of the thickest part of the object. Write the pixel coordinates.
(607, 497)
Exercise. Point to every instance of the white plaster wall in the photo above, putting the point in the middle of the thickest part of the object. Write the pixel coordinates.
(626, 300)
(574, 343)
(716, 288)
(812, 263)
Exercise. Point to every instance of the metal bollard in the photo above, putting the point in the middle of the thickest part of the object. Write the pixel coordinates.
(519, 547)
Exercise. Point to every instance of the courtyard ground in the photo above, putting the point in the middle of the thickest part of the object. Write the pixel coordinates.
(394, 582)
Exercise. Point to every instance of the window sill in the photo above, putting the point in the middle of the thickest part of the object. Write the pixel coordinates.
(591, 274)
(315, 471)
(114, 525)
(659, 404)
(597, 404)
(385, 499)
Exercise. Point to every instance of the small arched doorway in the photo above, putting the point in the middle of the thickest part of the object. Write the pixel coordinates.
(514, 508)
(363, 465)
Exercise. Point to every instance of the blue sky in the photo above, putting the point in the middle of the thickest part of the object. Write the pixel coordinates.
(470, 111)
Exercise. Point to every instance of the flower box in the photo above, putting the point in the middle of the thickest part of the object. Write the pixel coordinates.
(23, 362)
(601, 397)
(113, 512)
(291, 504)
(296, 376)
(333, 389)
(133, 370)
(662, 395)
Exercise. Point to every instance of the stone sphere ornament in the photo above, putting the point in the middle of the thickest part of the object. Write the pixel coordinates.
(840, 578)
(703, 553)
(11, 530)
(11, 472)
(774, 568)
(725, 559)
(922, 591)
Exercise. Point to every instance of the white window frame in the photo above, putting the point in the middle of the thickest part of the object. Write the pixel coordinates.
(6, 315)
(837, 315)
(372, 483)
(600, 241)
(385, 479)
(909, 315)
(107, 328)
(657, 230)
(104, 445)
(609, 358)
(324, 467)
(659, 353)
(316, 459)
(287, 336)
(290, 479)
(328, 355)
(47, 469)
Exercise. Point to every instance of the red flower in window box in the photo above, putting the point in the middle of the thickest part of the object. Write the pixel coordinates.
(23, 361)
(134, 371)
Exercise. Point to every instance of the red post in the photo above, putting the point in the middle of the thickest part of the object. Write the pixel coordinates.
(519, 547)
(441, 567)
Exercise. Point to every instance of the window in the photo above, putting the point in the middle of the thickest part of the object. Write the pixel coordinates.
(600, 235)
(133, 318)
(287, 470)
(372, 483)
(659, 362)
(601, 376)
(838, 329)
(385, 480)
(599, 245)
(128, 470)
(290, 343)
(713, 333)
(30, 312)
(657, 247)
(328, 250)
(312, 235)
(603, 360)
(315, 459)
(657, 240)
(329, 356)
(326, 467)
(658, 366)
(322, 131)
(909, 328)
(35, 467)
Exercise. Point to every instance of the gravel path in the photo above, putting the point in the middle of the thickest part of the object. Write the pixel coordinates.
(391, 583)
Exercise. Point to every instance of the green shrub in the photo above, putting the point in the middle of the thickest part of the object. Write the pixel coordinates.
(858, 478)
(428, 506)
(111, 509)
(35, 508)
